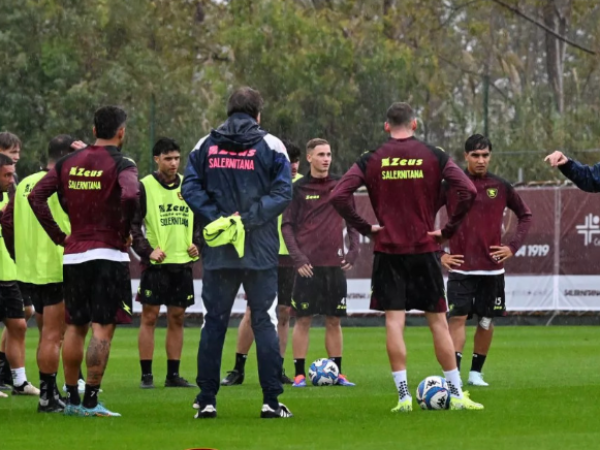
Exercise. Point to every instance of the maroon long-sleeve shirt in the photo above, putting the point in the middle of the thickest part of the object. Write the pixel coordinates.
(98, 189)
(403, 178)
(482, 226)
(311, 227)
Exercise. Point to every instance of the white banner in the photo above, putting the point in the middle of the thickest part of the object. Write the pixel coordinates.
(523, 293)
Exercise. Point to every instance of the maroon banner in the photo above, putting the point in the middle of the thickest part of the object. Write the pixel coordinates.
(576, 227)
(579, 233)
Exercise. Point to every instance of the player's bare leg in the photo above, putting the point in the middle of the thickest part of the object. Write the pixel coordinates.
(283, 330)
(15, 342)
(334, 344)
(5, 367)
(283, 327)
(174, 346)
(300, 341)
(5, 375)
(48, 355)
(39, 320)
(29, 313)
(333, 336)
(444, 351)
(483, 341)
(15, 355)
(96, 359)
(396, 350)
(146, 343)
(458, 332)
(245, 339)
(72, 354)
(245, 333)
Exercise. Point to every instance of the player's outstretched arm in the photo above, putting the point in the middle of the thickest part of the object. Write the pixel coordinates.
(140, 243)
(193, 192)
(466, 193)
(272, 205)
(525, 218)
(586, 178)
(287, 231)
(130, 194)
(38, 199)
(342, 199)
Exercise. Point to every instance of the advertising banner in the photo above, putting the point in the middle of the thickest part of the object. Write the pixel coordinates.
(556, 268)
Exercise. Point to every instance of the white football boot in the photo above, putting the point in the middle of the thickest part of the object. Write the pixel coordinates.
(476, 379)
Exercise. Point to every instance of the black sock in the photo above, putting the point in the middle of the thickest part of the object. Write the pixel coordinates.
(299, 365)
(90, 398)
(47, 385)
(5, 375)
(458, 360)
(81, 377)
(146, 366)
(240, 362)
(172, 368)
(338, 362)
(2, 363)
(73, 395)
(477, 362)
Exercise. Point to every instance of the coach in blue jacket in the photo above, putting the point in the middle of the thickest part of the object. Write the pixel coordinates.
(586, 178)
(240, 169)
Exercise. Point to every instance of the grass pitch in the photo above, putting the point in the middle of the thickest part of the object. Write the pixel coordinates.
(544, 394)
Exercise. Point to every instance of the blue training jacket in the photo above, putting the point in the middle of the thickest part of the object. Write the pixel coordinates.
(586, 178)
(239, 167)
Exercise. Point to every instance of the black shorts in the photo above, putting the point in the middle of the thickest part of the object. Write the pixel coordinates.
(11, 301)
(285, 285)
(27, 302)
(481, 295)
(170, 286)
(97, 291)
(405, 282)
(324, 293)
(41, 295)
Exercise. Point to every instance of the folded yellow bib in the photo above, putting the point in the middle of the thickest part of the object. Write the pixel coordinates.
(226, 230)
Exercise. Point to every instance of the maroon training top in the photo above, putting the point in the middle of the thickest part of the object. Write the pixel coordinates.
(403, 178)
(98, 189)
(312, 229)
(482, 227)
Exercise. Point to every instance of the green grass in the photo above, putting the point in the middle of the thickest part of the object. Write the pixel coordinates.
(544, 394)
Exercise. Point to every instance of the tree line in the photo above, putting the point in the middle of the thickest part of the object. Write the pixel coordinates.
(525, 72)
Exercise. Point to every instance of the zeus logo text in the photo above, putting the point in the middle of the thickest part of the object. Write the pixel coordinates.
(83, 172)
(385, 162)
(214, 150)
(313, 197)
(169, 207)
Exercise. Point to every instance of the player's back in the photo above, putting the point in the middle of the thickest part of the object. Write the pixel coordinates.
(39, 260)
(90, 192)
(403, 178)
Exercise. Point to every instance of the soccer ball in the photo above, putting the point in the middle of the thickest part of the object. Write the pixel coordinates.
(433, 393)
(323, 372)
